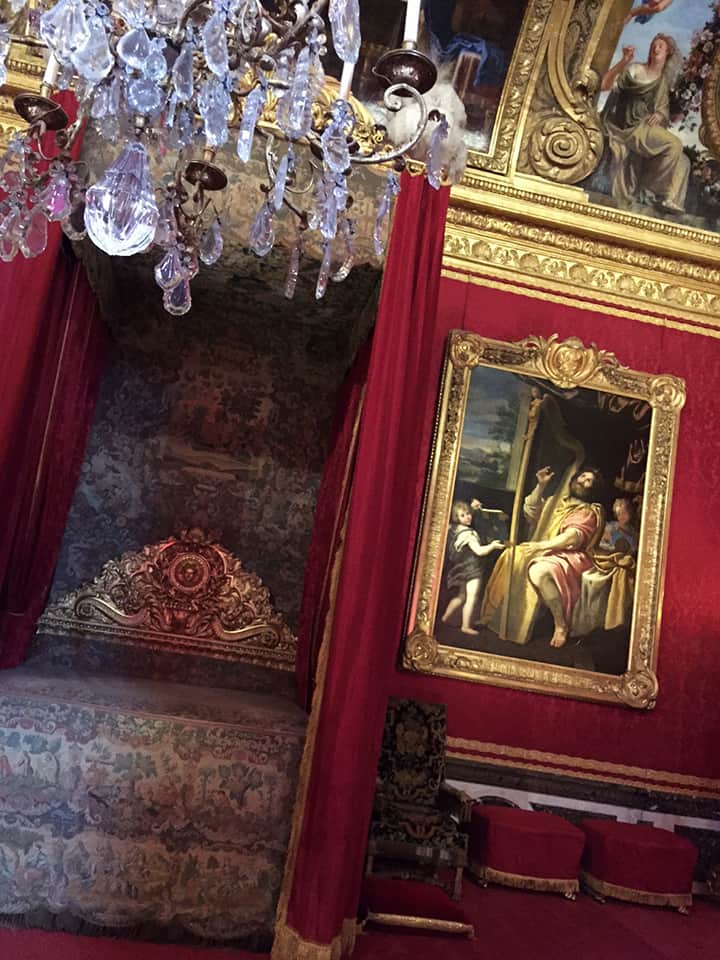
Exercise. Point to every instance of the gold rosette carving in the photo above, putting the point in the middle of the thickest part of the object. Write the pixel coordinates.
(563, 149)
(639, 689)
(421, 650)
(667, 393)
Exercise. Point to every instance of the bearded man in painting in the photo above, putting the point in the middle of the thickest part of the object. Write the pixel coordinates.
(549, 570)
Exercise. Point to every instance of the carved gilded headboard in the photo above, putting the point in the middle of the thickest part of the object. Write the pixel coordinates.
(186, 594)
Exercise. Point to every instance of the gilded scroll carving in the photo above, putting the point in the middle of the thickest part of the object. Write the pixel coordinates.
(186, 593)
(563, 139)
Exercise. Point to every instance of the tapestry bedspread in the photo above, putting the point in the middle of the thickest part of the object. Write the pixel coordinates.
(128, 801)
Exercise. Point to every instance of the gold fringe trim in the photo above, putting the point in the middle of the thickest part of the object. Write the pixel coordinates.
(422, 923)
(283, 933)
(606, 889)
(546, 884)
(289, 945)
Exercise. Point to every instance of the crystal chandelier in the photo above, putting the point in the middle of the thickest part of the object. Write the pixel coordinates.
(180, 79)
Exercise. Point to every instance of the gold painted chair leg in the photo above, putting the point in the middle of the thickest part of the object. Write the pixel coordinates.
(569, 895)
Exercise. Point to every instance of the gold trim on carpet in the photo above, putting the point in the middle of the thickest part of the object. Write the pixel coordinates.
(546, 884)
(421, 923)
(605, 889)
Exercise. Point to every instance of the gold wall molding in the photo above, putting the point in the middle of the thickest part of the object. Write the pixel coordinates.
(25, 69)
(545, 256)
(550, 204)
(581, 767)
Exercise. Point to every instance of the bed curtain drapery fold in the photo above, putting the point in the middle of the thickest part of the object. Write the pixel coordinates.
(363, 627)
(52, 345)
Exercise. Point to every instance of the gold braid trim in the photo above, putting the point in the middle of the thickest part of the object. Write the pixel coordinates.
(634, 896)
(289, 945)
(553, 885)
(422, 923)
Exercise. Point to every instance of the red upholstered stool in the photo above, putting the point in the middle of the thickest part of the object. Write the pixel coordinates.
(525, 848)
(632, 861)
(390, 902)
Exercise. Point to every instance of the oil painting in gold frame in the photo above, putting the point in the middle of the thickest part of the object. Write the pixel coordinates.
(542, 546)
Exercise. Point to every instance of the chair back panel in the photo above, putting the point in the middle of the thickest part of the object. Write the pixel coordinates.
(412, 759)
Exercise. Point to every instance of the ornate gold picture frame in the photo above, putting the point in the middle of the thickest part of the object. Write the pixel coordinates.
(542, 547)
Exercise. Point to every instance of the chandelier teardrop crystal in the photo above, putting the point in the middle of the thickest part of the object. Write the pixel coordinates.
(183, 78)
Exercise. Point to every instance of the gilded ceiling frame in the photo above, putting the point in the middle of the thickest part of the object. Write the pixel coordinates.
(518, 217)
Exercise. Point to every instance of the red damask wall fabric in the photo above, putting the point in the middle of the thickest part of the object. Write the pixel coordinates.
(680, 735)
(369, 607)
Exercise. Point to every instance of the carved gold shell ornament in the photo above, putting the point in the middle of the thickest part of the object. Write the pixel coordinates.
(568, 364)
(186, 594)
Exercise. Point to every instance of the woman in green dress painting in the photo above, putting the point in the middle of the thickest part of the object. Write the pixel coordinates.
(647, 158)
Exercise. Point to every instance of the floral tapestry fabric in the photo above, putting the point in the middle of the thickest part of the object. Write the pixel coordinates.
(220, 422)
(126, 801)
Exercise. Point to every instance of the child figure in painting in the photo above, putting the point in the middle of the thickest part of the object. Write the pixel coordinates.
(646, 11)
(465, 565)
(621, 534)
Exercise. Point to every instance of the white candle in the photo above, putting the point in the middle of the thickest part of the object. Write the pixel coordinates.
(346, 80)
(52, 71)
(412, 21)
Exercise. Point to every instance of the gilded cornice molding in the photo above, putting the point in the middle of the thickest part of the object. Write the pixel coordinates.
(495, 242)
(25, 68)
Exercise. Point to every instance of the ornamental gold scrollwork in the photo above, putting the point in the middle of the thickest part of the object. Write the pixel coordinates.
(639, 689)
(564, 149)
(563, 139)
(568, 363)
(421, 651)
(667, 393)
(465, 352)
(186, 593)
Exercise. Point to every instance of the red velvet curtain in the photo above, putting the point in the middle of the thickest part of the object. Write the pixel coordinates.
(326, 861)
(330, 515)
(50, 360)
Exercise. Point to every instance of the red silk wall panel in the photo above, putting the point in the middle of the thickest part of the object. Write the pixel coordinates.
(680, 734)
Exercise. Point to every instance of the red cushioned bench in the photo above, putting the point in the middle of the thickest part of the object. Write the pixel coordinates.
(525, 848)
(639, 863)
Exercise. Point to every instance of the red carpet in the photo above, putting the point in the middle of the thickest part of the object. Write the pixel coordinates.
(511, 925)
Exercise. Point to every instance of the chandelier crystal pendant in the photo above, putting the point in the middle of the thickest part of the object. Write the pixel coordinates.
(185, 77)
